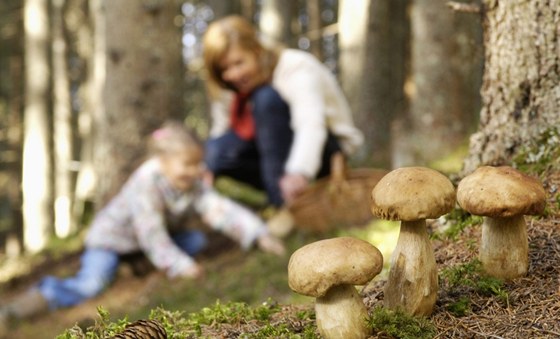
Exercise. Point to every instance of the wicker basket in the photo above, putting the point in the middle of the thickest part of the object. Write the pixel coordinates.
(340, 200)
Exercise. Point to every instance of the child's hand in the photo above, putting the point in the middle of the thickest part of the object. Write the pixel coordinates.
(270, 244)
(195, 271)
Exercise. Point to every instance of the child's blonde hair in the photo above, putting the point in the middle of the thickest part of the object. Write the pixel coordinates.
(221, 35)
(173, 136)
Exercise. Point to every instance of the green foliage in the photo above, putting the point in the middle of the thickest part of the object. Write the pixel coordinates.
(232, 312)
(281, 331)
(471, 276)
(461, 307)
(458, 219)
(241, 192)
(540, 157)
(541, 154)
(192, 325)
(103, 328)
(400, 324)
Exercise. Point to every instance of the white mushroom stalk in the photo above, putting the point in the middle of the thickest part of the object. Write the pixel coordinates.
(504, 249)
(412, 195)
(341, 313)
(412, 283)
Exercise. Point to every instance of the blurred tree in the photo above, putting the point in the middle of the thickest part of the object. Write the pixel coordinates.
(442, 86)
(315, 26)
(248, 9)
(275, 21)
(222, 8)
(36, 177)
(373, 48)
(80, 40)
(138, 78)
(521, 84)
(11, 124)
(62, 124)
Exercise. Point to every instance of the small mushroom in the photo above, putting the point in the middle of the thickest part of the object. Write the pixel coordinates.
(503, 196)
(411, 195)
(328, 270)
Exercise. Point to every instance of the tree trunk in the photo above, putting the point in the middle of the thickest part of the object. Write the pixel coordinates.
(274, 21)
(373, 49)
(11, 127)
(138, 83)
(36, 176)
(314, 28)
(521, 83)
(247, 9)
(63, 141)
(445, 74)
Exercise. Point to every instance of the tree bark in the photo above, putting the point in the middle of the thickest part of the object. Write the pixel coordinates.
(521, 83)
(314, 28)
(373, 49)
(274, 21)
(442, 88)
(36, 176)
(138, 83)
(62, 124)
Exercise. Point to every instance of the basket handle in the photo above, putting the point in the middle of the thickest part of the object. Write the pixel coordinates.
(338, 168)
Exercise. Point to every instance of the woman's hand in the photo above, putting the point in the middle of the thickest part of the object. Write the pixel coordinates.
(270, 244)
(292, 185)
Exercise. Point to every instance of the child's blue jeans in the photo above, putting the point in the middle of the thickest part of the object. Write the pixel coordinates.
(98, 268)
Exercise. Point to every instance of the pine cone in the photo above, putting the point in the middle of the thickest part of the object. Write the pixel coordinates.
(143, 329)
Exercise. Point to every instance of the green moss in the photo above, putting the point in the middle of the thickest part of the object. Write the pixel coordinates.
(461, 307)
(232, 312)
(470, 276)
(103, 328)
(400, 324)
(540, 157)
(541, 154)
(457, 220)
(193, 325)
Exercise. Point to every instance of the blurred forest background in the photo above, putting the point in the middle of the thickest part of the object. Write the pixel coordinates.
(83, 82)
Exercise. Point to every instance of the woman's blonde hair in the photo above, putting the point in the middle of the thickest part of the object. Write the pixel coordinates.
(173, 136)
(230, 31)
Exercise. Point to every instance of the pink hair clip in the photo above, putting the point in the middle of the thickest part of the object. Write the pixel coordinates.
(159, 134)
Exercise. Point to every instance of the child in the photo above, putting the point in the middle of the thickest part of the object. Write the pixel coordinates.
(146, 215)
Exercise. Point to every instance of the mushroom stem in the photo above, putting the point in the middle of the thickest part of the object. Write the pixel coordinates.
(412, 283)
(341, 313)
(504, 247)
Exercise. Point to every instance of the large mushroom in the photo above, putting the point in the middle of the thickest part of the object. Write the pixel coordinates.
(411, 195)
(503, 195)
(328, 270)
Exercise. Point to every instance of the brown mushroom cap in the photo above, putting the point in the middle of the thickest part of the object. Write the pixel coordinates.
(412, 193)
(501, 192)
(315, 268)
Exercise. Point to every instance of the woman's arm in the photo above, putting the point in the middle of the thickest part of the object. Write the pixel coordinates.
(301, 87)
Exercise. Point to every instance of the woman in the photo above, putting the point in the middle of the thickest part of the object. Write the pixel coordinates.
(278, 114)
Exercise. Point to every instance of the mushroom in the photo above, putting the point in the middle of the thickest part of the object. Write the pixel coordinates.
(411, 195)
(328, 270)
(503, 195)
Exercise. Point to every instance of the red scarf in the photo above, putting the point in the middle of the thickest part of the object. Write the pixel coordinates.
(241, 118)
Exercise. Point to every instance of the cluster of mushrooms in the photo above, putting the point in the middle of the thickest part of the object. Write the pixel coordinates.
(329, 269)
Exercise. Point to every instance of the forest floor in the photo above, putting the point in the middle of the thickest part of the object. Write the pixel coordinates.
(527, 307)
